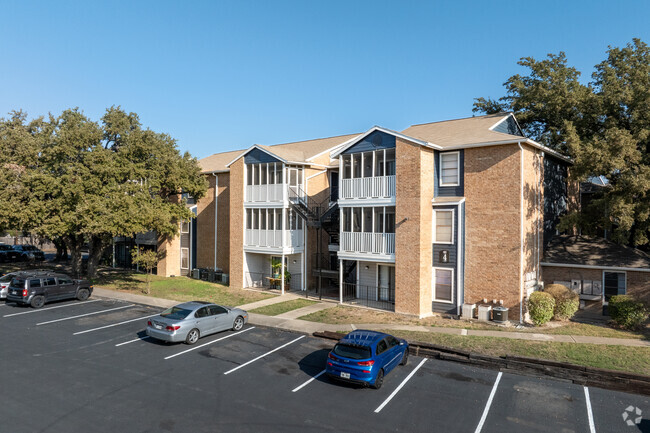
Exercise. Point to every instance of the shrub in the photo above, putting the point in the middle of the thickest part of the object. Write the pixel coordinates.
(628, 313)
(541, 306)
(567, 302)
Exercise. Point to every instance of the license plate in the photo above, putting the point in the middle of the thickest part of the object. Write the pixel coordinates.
(345, 375)
(158, 326)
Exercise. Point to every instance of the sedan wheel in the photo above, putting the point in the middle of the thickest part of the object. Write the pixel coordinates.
(380, 379)
(192, 336)
(405, 357)
(38, 301)
(238, 323)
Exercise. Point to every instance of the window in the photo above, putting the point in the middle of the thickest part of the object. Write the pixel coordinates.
(356, 165)
(201, 312)
(356, 219)
(390, 162)
(367, 164)
(185, 226)
(390, 219)
(347, 166)
(442, 285)
(615, 284)
(278, 219)
(263, 219)
(249, 219)
(256, 219)
(216, 309)
(347, 219)
(35, 283)
(379, 163)
(185, 258)
(444, 230)
(367, 220)
(271, 218)
(382, 346)
(379, 219)
(263, 175)
(449, 172)
(49, 282)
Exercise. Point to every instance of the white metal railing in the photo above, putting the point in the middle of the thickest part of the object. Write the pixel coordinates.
(273, 238)
(264, 193)
(368, 187)
(373, 243)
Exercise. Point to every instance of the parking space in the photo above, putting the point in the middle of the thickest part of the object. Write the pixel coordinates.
(88, 366)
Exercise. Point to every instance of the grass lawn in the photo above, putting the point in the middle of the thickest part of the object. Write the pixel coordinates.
(178, 288)
(282, 307)
(341, 315)
(624, 358)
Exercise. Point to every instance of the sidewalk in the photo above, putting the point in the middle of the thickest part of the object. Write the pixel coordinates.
(290, 321)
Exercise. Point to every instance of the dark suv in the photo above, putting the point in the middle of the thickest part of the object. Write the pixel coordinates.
(37, 288)
(7, 254)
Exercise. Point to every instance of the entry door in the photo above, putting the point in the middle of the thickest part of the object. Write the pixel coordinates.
(334, 186)
(386, 283)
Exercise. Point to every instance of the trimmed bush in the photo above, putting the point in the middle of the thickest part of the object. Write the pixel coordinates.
(628, 313)
(541, 306)
(567, 302)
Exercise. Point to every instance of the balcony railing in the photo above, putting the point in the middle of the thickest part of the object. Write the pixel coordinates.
(368, 187)
(264, 193)
(370, 243)
(369, 296)
(273, 238)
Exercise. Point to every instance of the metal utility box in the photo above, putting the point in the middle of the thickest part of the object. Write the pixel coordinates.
(500, 314)
(468, 311)
(484, 312)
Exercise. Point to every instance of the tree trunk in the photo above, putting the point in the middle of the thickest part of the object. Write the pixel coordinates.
(74, 244)
(61, 250)
(96, 248)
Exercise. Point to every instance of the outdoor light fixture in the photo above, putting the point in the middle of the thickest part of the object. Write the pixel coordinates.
(367, 267)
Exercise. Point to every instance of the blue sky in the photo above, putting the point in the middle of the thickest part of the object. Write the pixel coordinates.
(223, 75)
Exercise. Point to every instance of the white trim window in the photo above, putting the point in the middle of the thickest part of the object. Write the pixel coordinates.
(443, 226)
(450, 169)
(443, 285)
(185, 258)
(185, 226)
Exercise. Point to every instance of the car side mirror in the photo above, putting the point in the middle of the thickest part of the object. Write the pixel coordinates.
(401, 343)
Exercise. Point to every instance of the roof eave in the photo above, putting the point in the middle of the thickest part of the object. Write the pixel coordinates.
(255, 146)
(360, 137)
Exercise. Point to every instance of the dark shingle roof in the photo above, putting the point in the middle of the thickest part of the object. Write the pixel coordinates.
(593, 251)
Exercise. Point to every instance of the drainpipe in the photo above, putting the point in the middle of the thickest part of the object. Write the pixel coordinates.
(216, 216)
(521, 237)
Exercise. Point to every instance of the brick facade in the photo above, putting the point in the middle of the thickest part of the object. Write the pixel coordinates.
(492, 225)
(237, 224)
(206, 224)
(413, 216)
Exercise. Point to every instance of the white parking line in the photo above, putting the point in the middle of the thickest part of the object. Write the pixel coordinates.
(219, 339)
(488, 404)
(132, 341)
(51, 308)
(390, 397)
(262, 356)
(590, 414)
(83, 315)
(114, 324)
(309, 381)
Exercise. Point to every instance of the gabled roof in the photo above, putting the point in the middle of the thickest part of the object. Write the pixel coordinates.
(299, 152)
(360, 137)
(593, 251)
(463, 132)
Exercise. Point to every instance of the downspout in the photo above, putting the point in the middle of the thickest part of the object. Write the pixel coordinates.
(216, 217)
(521, 236)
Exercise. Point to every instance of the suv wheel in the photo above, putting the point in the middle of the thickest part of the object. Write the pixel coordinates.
(38, 301)
(83, 294)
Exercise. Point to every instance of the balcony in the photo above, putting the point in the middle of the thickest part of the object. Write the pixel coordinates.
(368, 243)
(264, 193)
(368, 187)
(273, 238)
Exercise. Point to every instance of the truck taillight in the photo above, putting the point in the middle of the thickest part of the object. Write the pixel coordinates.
(24, 293)
(149, 323)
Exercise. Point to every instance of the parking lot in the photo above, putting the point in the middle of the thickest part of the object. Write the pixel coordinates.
(88, 366)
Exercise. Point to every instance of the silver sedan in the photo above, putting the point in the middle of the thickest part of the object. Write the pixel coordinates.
(192, 320)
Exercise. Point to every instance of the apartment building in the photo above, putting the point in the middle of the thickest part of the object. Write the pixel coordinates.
(418, 221)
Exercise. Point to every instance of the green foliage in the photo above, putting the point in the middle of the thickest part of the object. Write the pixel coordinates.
(147, 259)
(604, 125)
(567, 302)
(541, 306)
(81, 181)
(627, 312)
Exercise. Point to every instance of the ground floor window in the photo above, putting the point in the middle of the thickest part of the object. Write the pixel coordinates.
(386, 282)
(443, 283)
(615, 284)
(185, 258)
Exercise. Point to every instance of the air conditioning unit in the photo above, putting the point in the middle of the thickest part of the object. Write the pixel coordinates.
(484, 313)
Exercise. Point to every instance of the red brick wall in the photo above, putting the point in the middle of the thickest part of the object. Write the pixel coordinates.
(237, 224)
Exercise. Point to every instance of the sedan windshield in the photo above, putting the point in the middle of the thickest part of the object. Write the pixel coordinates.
(5, 278)
(175, 313)
(352, 352)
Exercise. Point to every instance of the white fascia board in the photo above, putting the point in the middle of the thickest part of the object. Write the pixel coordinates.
(499, 122)
(450, 203)
(509, 115)
(513, 141)
(331, 149)
(358, 138)
(215, 171)
(255, 146)
(604, 268)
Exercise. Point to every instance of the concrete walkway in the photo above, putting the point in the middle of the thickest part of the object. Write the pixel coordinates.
(290, 321)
